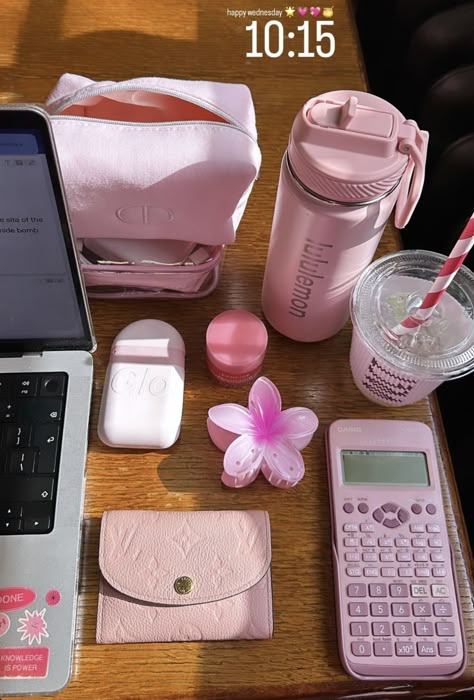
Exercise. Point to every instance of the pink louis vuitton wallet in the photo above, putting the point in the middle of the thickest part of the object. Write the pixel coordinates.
(183, 576)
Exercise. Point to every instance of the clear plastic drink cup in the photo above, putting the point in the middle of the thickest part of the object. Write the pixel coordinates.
(400, 371)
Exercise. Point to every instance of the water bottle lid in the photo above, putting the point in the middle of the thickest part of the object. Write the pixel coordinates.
(351, 146)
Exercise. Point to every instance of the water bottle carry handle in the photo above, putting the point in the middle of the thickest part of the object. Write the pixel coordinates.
(414, 143)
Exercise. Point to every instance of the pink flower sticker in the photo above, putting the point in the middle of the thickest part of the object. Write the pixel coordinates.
(53, 597)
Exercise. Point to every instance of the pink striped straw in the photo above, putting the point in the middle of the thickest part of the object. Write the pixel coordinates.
(441, 283)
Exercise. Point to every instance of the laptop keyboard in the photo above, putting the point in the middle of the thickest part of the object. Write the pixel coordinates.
(31, 424)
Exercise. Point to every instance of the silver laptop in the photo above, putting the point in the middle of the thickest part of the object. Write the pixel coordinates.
(46, 340)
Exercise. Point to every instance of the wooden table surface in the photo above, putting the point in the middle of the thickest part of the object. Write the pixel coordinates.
(117, 39)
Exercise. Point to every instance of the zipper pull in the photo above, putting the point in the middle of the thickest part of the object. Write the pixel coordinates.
(414, 143)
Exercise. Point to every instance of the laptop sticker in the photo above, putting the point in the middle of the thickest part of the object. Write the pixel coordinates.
(33, 626)
(21, 662)
(4, 624)
(15, 598)
(53, 597)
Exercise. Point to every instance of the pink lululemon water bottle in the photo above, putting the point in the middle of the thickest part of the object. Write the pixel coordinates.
(351, 158)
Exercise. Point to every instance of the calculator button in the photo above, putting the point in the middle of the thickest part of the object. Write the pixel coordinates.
(404, 649)
(418, 542)
(358, 609)
(399, 590)
(417, 528)
(422, 609)
(363, 508)
(353, 571)
(402, 542)
(357, 590)
(351, 542)
(348, 508)
(352, 556)
(368, 542)
(380, 610)
(378, 590)
(391, 522)
(361, 648)
(445, 629)
(388, 573)
(420, 556)
(426, 649)
(443, 609)
(431, 508)
(400, 609)
(350, 527)
(437, 556)
(390, 507)
(378, 515)
(403, 556)
(419, 590)
(422, 573)
(439, 590)
(435, 542)
(370, 572)
(383, 649)
(369, 556)
(438, 571)
(387, 556)
(360, 629)
(447, 648)
(366, 527)
(402, 629)
(403, 515)
(423, 629)
(385, 542)
(404, 572)
(416, 508)
(381, 629)
(433, 528)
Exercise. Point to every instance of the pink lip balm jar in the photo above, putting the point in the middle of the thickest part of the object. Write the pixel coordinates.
(236, 342)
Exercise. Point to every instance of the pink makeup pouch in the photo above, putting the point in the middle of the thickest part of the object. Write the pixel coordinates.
(157, 174)
(182, 576)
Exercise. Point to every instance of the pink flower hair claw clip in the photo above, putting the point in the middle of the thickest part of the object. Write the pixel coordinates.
(261, 437)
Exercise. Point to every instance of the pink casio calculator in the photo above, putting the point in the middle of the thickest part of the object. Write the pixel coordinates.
(396, 594)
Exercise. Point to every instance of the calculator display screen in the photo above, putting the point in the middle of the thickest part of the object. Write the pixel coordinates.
(384, 468)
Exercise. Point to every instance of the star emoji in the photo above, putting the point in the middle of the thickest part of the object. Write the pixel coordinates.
(290, 11)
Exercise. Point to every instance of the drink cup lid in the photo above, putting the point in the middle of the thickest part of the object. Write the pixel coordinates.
(390, 289)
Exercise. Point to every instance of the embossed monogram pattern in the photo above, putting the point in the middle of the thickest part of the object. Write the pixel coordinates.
(186, 538)
(387, 385)
(226, 554)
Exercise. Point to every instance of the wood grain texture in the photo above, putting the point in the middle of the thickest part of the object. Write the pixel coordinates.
(119, 39)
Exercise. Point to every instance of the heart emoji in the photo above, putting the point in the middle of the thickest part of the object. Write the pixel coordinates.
(315, 11)
(302, 11)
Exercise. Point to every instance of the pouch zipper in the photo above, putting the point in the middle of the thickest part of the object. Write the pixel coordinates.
(230, 122)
